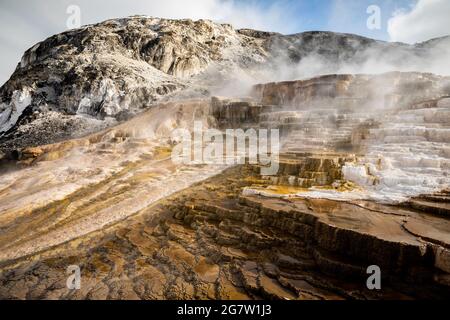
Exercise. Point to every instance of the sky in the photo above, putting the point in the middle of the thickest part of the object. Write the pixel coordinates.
(24, 23)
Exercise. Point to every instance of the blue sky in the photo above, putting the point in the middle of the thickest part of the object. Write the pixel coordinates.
(349, 16)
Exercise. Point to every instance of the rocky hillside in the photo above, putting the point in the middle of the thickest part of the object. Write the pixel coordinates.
(86, 79)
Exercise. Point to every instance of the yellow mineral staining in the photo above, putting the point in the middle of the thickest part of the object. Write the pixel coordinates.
(162, 152)
(281, 190)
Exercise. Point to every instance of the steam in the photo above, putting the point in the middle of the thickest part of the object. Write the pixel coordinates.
(431, 57)
(356, 58)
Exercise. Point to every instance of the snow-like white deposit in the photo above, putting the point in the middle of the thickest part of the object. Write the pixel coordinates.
(10, 113)
(406, 154)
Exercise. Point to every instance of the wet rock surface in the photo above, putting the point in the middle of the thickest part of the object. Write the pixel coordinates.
(388, 133)
(212, 242)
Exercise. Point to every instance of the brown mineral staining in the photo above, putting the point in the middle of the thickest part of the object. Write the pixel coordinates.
(141, 227)
(245, 247)
(31, 153)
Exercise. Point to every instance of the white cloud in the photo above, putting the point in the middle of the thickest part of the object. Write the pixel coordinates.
(24, 23)
(427, 19)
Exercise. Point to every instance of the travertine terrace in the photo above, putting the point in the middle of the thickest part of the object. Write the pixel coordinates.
(363, 173)
(315, 229)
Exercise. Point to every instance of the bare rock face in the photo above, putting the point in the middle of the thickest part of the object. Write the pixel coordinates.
(387, 91)
(111, 69)
(87, 79)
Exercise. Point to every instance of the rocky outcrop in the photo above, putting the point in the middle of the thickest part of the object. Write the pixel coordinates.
(387, 91)
(237, 113)
(84, 80)
(112, 70)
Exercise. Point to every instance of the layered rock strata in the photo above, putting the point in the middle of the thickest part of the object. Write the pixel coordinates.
(395, 126)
